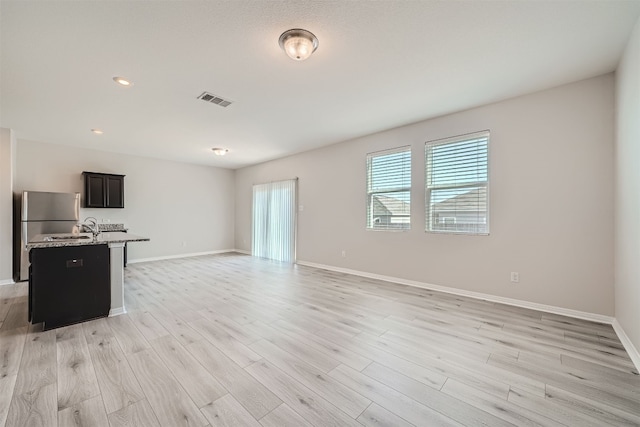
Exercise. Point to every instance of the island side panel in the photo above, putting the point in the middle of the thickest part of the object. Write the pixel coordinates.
(116, 250)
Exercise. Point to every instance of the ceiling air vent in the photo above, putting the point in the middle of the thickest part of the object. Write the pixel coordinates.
(215, 99)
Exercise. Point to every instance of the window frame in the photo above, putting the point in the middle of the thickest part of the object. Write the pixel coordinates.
(429, 188)
(369, 224)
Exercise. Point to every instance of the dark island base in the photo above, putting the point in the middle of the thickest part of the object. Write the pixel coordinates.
(69, 285)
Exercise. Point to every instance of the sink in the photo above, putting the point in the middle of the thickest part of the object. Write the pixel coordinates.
(65, 237)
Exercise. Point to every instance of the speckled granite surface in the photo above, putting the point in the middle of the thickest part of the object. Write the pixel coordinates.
(80, 239)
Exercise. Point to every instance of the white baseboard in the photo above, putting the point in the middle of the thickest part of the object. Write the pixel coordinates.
(633, 352)
(477, 295)
(161, 258)
(117, 311)
(7, 282)
(242, 251)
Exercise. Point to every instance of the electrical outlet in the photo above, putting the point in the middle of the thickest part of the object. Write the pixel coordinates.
(515, 277)
(300, 208)
(184, 244)
(344, 253)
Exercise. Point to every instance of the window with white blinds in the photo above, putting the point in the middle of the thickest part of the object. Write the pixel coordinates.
(457, 184)
(389, 189)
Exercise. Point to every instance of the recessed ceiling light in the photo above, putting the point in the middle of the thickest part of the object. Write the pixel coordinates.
(97, 131)
(122, 81)
(220, 151)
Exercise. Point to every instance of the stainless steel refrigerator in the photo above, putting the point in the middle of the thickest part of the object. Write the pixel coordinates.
(41, 213)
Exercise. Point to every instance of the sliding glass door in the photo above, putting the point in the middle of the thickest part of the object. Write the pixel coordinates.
(274, 220)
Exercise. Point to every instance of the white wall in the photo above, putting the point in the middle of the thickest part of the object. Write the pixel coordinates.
(627, 200)
(551, 168)
(169, 202)
(7, 155)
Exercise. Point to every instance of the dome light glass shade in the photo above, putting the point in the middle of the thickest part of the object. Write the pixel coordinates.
(220, 151)
(122, 81)
(298, 44)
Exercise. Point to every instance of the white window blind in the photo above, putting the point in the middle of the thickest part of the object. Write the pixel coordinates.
(457, 184)
(274, 220)
(389, 189)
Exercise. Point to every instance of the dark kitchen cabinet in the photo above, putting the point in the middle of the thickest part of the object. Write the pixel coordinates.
(69, 284)
(103, 190)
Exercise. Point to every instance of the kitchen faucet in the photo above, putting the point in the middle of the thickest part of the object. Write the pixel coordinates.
(92, 224)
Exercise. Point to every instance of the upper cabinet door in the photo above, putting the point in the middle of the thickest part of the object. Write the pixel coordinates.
(103, 190)
(115, 191)
(94, 191)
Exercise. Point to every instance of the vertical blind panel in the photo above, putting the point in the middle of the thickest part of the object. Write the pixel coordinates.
(274, 220)
(457, 185)
(389, 189)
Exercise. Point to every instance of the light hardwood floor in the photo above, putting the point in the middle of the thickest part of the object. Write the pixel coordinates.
(231, 340)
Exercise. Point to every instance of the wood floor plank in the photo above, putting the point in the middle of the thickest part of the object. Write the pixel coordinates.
(245, 335)
(304, 401)
(199, 384)
(76, 376)
(169, 401)
(89, 412)
(550, 409)
(34, 408)
(625, 399)
(333, 391)
(11, 345)
(148, 325)
(7, 385)
(376, 416)
(227, 412)
(450, 406)
(5, 306)
(298, 348)
(394, 401)
(496, 407)
(627, 376)
(283, 416)
(231, 347)
(138, 414)
(339, 353)
(118, 385)
(593, 408)
(254, 396)
(17, 315)
(129, 337)
(177, 327)
(38, 364)
(410, 361)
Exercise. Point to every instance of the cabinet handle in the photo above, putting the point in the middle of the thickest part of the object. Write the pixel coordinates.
(73, 263)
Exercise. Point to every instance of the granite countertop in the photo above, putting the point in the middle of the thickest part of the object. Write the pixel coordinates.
(80, 239)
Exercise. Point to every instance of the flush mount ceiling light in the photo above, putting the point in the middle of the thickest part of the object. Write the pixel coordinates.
(122, 81)
(97, 131)
(220, 151)
(298, 44)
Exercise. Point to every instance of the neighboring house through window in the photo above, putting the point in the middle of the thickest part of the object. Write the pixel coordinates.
(457, 184)
(389, 189)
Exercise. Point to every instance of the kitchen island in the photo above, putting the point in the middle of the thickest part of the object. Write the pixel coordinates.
(115, 242)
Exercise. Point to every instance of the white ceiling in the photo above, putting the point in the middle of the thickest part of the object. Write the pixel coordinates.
(380, 64)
